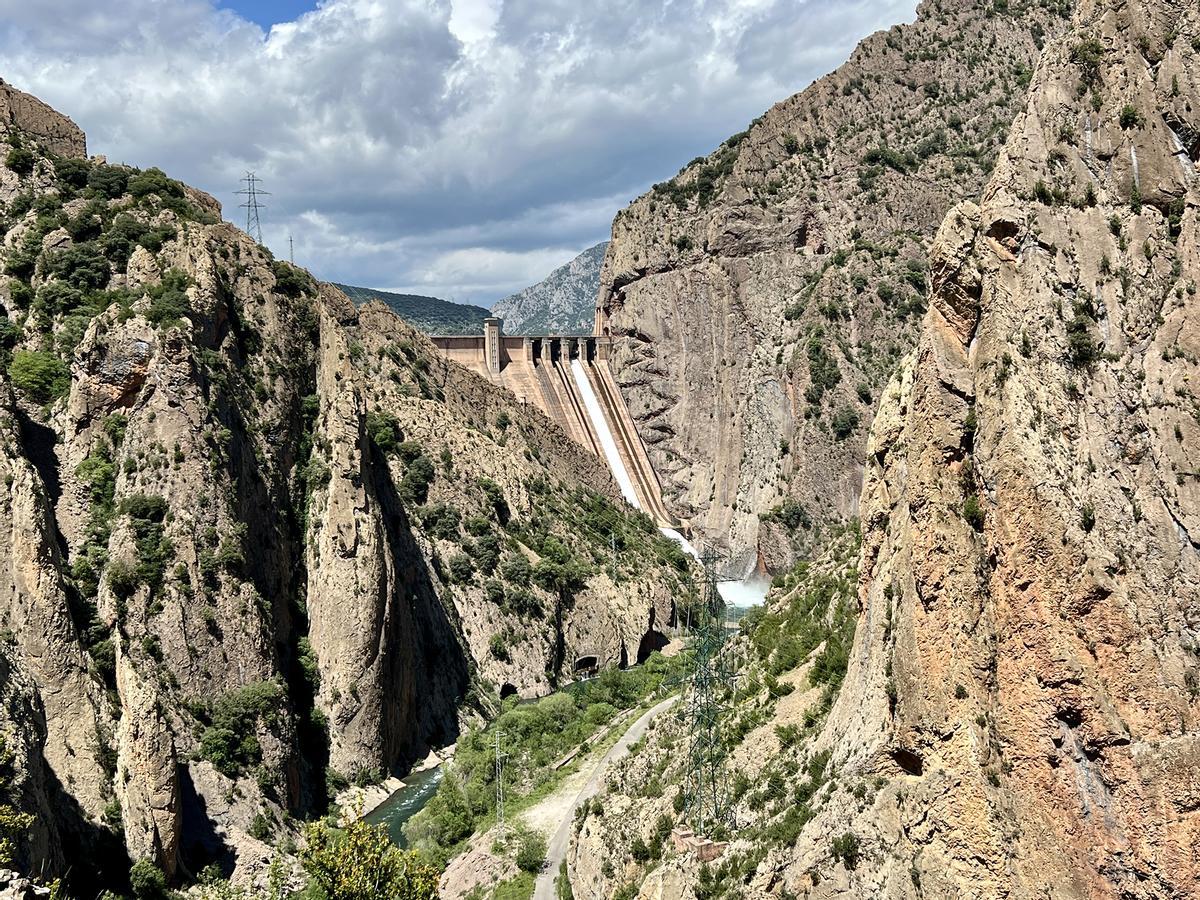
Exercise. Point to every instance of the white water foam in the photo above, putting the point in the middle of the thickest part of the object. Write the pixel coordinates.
(742, 594)
(600, 427)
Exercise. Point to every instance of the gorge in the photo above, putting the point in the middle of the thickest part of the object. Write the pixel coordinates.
(920, 348)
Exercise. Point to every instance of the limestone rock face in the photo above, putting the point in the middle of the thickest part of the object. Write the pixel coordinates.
(564, 302)
(1026, 671)
(765, 294)
(34, 118)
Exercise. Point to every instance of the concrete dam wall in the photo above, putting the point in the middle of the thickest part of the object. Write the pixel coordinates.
(569, 380)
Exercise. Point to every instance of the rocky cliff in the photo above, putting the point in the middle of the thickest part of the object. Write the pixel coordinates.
(1019, 706)
(768, 291)
(564, 302)
(257, 541)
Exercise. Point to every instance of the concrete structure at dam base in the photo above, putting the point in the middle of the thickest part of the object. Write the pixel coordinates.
(551, 371)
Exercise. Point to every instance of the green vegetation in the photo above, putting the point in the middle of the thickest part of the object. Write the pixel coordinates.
(20, 160)
(819, 610)
(844, 422)
(147, 517)
(708, 174)
(846, 848)
(973, 512)
(361, 863)
(531, 853)
(536, 736)
(230, 740)
(1082, 349)
(40, 375)
(13, 822)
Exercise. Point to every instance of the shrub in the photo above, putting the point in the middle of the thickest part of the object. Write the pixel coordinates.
(414, 486)
(384, 430)
(844, 422)
(83, 266)
(462, 569)
(290, 280)
(1130, 118)
(1087, 517)
(531, 854)
(494, 494)
(147, 881)
(973, 512)
(360, 862)
(72, 173)
(230, 743)
(1082, 350)
(40, 375)
(441, 521)
(168, 298)
(847, 849)
(108, 181)
(154, 181)
(20, 160)
(516, 569)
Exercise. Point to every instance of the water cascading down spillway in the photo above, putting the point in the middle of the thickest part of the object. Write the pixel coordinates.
(735, 593)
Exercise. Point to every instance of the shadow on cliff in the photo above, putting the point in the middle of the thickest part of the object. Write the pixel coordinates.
(433, 672)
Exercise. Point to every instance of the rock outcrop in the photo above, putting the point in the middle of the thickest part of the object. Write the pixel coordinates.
(46, 126)
(767, 292)
(564, 302)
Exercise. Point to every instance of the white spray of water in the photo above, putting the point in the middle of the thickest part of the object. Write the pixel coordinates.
(741, 594)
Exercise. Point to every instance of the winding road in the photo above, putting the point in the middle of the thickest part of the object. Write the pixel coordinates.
(557, 850)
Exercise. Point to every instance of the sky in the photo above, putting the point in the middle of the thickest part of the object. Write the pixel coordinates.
(457, 148)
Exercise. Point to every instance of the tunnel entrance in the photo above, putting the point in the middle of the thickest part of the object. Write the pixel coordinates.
(587, 665)
(652, 640)
(507, 690)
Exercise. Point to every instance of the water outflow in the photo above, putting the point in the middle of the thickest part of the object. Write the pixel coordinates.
(735, 593)
(600, 427)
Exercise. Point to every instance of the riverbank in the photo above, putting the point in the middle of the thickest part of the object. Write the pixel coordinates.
(361, 801)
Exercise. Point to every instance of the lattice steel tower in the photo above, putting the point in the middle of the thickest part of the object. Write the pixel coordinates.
(252, 205)
(708, 807)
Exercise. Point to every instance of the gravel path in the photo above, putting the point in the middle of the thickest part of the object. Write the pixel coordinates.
(557, 849)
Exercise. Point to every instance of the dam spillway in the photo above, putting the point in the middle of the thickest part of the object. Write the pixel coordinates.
(568, 378)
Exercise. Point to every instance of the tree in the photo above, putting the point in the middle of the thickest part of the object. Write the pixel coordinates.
(148, 881)
(361, 863)
(20, 160)
(531, 854)
(41, 375)
(13, 822)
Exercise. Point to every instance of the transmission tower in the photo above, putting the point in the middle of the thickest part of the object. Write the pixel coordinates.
(499, 785)
(710, 681)
(252, 205)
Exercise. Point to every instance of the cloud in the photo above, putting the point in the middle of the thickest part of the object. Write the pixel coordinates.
(458, 146)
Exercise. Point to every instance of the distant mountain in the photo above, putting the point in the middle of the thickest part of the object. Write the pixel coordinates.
(564, 303)
(429, 314)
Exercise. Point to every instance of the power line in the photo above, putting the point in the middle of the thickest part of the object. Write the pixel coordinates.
(252, 206)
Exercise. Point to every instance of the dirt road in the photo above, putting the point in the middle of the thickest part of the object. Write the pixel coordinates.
(556, 851)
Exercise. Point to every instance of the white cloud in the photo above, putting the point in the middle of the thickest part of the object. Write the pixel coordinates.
(456, 144)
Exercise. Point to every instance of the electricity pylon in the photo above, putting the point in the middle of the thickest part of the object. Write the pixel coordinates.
(499, 785)
(707, 802)
(252, 205)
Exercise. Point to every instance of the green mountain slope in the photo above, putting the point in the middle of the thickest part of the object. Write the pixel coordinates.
(429, 314)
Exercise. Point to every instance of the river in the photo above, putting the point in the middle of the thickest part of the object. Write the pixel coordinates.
(405, 803)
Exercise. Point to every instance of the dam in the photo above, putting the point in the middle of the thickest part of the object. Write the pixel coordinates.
(569, 380)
